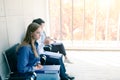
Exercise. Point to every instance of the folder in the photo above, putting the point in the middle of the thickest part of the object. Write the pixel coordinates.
(51, 69)
(52, 54)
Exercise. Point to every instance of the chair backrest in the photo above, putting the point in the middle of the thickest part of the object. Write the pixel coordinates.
(11, 58)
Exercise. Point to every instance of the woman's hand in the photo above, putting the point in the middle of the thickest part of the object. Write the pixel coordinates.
(38, 67)
(47, 41)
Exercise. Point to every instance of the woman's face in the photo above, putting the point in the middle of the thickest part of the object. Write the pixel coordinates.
(36, 34)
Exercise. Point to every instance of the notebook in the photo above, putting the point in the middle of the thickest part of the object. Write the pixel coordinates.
(53, 54)
(49, 69)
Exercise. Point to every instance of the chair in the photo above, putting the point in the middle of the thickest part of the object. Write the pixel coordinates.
(11, 59)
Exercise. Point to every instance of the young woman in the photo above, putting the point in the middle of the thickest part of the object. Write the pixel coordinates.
(28, 58)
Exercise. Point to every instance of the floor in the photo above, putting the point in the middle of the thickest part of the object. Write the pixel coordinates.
(94, 65)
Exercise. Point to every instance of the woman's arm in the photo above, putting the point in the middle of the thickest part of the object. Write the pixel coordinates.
(23, 58)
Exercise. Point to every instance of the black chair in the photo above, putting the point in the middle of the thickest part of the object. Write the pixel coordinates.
(11, 59)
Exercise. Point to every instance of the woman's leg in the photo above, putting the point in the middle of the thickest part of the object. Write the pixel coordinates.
(58, 47)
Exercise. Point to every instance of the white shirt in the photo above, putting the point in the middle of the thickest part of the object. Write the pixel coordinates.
(41, 42)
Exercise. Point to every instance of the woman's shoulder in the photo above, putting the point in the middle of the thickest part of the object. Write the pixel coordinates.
(23, 49)
(26, 46)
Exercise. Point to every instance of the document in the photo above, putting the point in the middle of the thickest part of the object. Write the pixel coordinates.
(49, 69)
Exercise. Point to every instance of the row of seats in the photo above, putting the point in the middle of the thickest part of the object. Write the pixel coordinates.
(11, 60)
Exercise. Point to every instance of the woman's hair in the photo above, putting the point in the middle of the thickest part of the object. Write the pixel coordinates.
(31, 28)
(27, 40)
(39, 21)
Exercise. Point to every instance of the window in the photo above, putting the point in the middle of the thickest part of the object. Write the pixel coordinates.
(85, 22)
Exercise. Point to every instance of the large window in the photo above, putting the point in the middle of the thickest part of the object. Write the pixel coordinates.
(85, 22)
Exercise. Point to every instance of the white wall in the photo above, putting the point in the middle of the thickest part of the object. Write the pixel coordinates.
(15, 15)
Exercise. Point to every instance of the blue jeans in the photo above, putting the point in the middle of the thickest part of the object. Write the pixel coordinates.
(56, 61)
